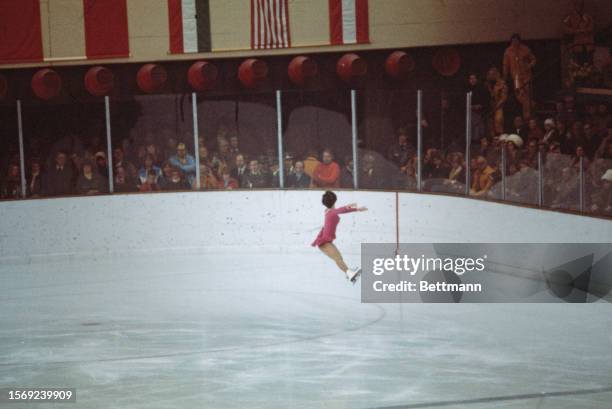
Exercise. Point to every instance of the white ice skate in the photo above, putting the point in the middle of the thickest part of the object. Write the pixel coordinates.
(353, 274)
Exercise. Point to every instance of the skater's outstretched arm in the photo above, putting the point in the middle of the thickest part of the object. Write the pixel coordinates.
(357, 208)
(351, 208)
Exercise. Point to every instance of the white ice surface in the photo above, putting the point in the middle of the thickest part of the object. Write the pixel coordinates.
(241, 330)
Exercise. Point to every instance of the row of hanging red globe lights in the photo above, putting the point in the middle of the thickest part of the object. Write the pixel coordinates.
(202, 75)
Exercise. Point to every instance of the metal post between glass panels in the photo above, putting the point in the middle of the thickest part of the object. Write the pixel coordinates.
(109, 147)
(196, 137)
(540, 180)
(21, 155)
(354, 137)
(279, 133)
(468, 141)
(442, 122)
(503, 171)
(581, 184)
(419, 140)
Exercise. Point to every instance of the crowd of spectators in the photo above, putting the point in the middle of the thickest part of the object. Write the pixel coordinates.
(559, 142)
(573, 134)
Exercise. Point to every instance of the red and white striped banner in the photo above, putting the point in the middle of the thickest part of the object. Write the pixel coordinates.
(269, 24)
(348, 21)
(189, 26)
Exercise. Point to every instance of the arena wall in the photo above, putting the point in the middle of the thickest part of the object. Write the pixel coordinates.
(266, 221)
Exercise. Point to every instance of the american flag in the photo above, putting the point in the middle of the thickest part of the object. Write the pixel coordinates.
(269, 24)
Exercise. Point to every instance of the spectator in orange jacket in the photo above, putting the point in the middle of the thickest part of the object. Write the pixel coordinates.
(310, 163)
(327, 173)
(482, 179)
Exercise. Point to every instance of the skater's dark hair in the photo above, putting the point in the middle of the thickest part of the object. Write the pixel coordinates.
(329, 199)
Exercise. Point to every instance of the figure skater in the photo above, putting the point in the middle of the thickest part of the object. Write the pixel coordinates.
(328, 233)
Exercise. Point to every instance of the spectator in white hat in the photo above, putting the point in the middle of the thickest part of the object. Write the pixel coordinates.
(515, 139)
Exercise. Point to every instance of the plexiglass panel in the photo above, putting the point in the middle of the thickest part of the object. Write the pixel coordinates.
(153, 143)
(238, 142)
(318, 139)
(65, 147)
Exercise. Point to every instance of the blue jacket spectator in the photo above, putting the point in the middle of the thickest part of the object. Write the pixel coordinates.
(184, 162)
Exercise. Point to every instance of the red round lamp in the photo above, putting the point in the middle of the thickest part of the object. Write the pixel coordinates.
(351, 66)
(46, 83)
(151, 78)
(301, 69)
(252, 72)
(202, 75)
(399, 64)
(99, 81)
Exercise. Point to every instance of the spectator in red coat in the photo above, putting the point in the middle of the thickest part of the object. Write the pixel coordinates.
(327, 173)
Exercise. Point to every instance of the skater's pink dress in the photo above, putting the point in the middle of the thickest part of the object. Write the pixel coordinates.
(328, 232)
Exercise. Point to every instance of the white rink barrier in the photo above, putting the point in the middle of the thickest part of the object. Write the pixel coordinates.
(267, 221)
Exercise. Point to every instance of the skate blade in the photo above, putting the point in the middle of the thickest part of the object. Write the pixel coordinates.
(354, 279)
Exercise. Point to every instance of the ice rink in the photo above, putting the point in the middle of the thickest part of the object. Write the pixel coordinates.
(240, 330)
(216, 300)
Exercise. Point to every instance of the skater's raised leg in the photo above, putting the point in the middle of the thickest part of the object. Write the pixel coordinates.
(332, 252)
